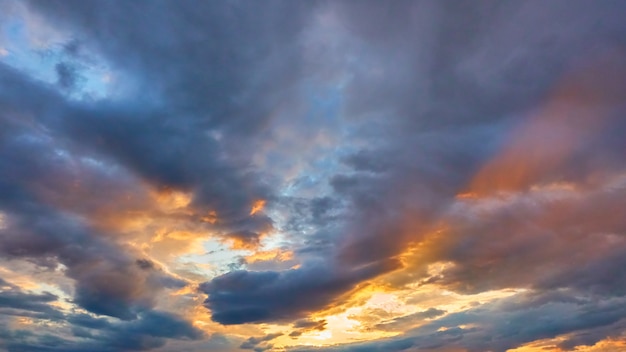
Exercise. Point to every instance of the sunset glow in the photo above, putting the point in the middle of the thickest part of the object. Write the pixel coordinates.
(301, 176)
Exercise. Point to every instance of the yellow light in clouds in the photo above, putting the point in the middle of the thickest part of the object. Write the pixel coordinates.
(606, 345)
(274, 254)
(386, 301)
(257, 206)
(171, 199)
(467, 195)
(322, 335)
(211, 218)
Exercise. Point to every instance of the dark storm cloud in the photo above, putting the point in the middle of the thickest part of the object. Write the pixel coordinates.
(151, 330)
(36, 170)
(303, 325)
(449, 97)
(107, 280)
(402, 322)
(211, 77)
(148, 331)
(203, 89)
(223, 54)
(245, 296)
(155, 325)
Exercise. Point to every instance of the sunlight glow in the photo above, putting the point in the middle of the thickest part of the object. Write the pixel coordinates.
(257, 206)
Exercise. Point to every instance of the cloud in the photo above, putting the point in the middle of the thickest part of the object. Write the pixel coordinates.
(148, 332)
(129, 140)
(245, 296)
(154, 142)
(252, 342)
(122, 144)
(505, 324)
(401, 322)
(66, 75)
(372, 142)
(305, 325)
(107, 280)
(13, 301)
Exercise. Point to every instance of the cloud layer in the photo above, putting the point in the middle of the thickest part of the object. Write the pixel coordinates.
(223, 176)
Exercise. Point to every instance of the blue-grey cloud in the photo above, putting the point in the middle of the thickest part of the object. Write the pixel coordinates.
(508, 323)
(245, 296)
(489, 133)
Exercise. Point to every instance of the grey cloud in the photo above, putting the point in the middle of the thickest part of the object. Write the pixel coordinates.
(160, 146)
(309, 324)
(244, 296)
(215, 77)
(36, 177)
(14, 301)
(426, 161)
(506, 324)
(430, 93)
(67, 75)
(303, 325)
(216, 342)
(107, 281)
(402, 322)
(150, 331)
(252, 343)
(544, 247)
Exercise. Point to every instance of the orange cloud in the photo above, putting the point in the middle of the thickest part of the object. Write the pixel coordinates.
(544, 148)
(257, 206)
(211, 217)
(275, 254)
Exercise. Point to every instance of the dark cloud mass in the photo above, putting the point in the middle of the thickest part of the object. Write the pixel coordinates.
(270, 176)
(245, 296)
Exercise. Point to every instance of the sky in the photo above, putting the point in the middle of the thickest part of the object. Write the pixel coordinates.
(198, 176)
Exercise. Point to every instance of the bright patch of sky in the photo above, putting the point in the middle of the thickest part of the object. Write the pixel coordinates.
(219, 257)
(47, 56)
